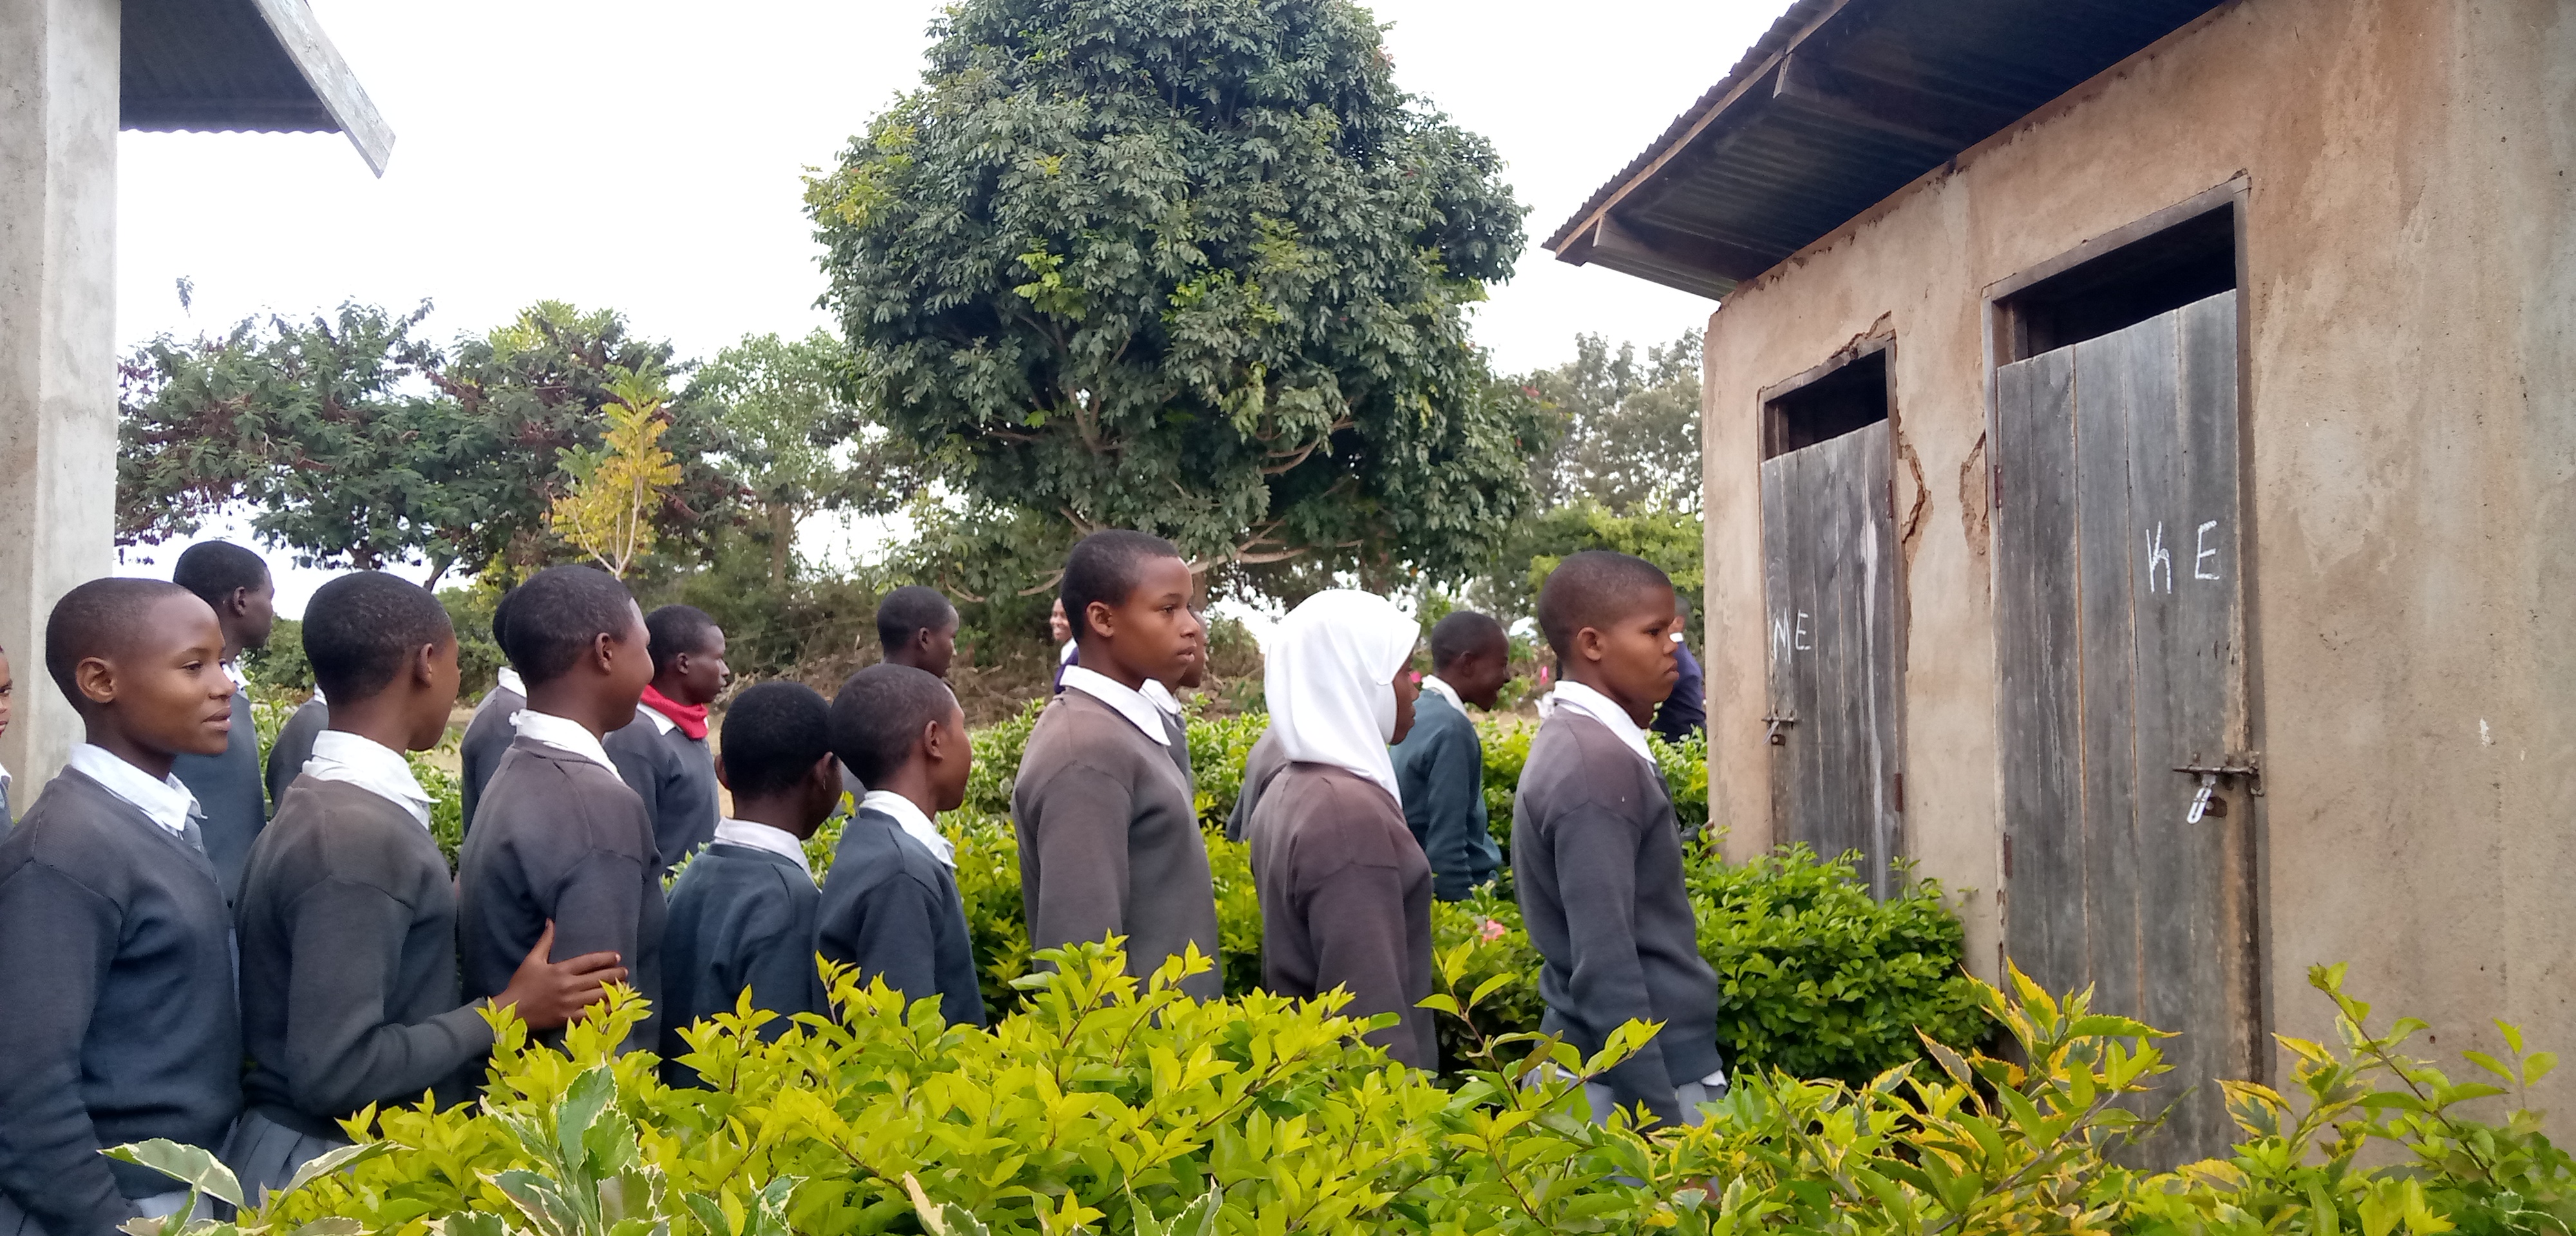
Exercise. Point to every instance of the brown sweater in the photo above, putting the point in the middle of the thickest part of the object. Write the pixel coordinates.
(1109, 841)
(1345, 902)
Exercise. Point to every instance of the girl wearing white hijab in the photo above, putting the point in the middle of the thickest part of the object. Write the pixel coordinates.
(1345, 891)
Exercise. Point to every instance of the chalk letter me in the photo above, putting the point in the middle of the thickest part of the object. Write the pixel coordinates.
(2201, 543)
(2156, 556)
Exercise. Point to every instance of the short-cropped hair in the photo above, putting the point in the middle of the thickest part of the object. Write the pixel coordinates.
(675, 629)
(880, 712)
(1107, 567)
(1462, 632)
(909, 610)
(773, 735)
(556, 615)
(101, 618)
(361, 628)
(214, 570)
(1594, 588)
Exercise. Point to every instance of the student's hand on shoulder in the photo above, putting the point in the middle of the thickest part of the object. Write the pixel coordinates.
(547, 994)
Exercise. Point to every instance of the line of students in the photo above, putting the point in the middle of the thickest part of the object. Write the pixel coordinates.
(364, 973)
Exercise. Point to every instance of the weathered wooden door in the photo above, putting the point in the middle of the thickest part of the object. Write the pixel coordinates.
(1829, 579)
(2120, 614)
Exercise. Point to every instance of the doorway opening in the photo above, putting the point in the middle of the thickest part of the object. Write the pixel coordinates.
(1839, 397)
(2151, 268)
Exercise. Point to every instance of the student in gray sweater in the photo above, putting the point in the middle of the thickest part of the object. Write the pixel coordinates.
(494, 724)
(1440, 766)
(1109, 836)
(1596, 859)
(742, 914)
(891, 907)
(229, 784)
(918, 627)
(1260, 766)
(347, 920)
(1345, 894)
(294, 745)
(662, 750)
(117, 966)
(559, 839)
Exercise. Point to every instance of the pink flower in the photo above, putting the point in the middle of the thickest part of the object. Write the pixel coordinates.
(1489, 930)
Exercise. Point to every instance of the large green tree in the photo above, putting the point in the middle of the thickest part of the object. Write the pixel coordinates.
(1197, 268)
(1627, 429)
(798, 437)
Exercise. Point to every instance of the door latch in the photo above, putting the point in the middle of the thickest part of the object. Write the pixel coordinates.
(2202, 804)
(2205, 801)
(1775, 721)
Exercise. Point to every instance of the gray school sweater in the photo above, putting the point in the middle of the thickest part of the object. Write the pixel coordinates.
(562, 838)
(1109, 841)
(1440, 767)
(740, 918)
(1345, 902)
(486, 737)
(233, 793)
(675, 775)
(348, 963)
(292, 746)
(1176, 733)
(117, 975)
(1260, 764)
(1597, 863)
(892, 909)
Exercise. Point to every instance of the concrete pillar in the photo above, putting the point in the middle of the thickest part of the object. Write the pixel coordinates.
(58, 125)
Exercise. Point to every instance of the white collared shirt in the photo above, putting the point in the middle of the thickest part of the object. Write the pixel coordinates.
(509, 680)
(907, 816)
(752, 836)
(1065, 654)
(1593, 704)
(1433, 684)
(339, 755)
(661, 724)
(167, 802)
(233, 670)
(562, 734)
(1131, 704)
(1162, 697)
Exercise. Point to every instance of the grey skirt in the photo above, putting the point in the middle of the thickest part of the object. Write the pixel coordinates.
(264, 1154)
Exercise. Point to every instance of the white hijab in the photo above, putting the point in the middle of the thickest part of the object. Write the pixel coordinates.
(1330, 673)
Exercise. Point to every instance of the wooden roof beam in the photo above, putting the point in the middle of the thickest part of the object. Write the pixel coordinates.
(1692, 264)
(1895, 109)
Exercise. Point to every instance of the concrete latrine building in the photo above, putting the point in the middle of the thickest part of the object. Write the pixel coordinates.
(2141, 440)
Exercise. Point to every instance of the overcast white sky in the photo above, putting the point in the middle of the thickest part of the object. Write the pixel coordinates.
(647, 156)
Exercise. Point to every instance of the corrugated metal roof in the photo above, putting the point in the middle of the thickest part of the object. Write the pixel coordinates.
(241, 66)
(1840, 104)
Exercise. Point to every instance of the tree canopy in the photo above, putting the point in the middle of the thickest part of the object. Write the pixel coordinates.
(1194, 268)
(797, 437)
(1627, 432)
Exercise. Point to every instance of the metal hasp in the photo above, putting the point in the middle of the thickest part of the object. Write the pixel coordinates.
(2248, 766)
(1775, 721)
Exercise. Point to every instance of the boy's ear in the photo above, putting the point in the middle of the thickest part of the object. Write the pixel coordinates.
(721, 777)
(1101, 617)
(1588, 644)
(96, 680)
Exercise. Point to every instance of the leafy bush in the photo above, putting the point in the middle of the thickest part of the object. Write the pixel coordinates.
(1118, 1106)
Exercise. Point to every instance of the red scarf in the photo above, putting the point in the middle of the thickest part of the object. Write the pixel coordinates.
(691, 718)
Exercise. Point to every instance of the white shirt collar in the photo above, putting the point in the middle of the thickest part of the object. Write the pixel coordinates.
(339, 755)
(509, 680)
(661, 724)
(1433, 684)
(1065, 653)
(1593, 704)
(233, 670)
(1162, 696)
(762, 837)
(1130, 704)
(907, 816)
(167, 801)
(563, 734)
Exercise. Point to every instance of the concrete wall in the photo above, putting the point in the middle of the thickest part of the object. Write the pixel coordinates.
(2411, 300)
(58, 124)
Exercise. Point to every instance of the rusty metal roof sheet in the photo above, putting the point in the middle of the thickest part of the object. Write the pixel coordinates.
(242, 66)
(1840, 104)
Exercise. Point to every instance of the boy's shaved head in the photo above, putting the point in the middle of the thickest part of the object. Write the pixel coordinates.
(1462, 632)
(214, 570)
(1107, 567)
(908, 611)
(675, 629)
(361, 628)
(554, 617)
(773, 736)
(103, 618)
(1595, 588)
(880, 712)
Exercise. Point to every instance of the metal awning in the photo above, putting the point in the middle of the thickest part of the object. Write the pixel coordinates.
(1842, 103)
(259, 66)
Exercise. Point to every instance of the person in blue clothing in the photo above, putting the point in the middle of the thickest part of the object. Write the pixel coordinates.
(1441, 764)
(1685, 711)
